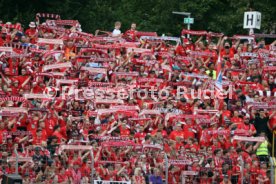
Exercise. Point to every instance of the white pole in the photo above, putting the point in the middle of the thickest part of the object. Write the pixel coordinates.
(166, 168)
(188, 25)
(242, 168)
(16, 161)
(251, 31)
(92, 166)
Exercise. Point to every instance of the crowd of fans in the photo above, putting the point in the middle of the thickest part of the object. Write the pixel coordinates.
(60, 86)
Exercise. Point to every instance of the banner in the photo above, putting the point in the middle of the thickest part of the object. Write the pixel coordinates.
(36, 96)
(20, 159)
(6, 49)
(94, 70)
(138, 50)
(189, 173)
(50, 41)
(125, 107)
(55, 54)
(150, 111)
(140, 33)
(249, 139)
(86, 50)
(192, 32)
(12, 26)
(164, 38)
(196, 76)
(135, 74)
(109, 101)
(264, 35)
(118, 144)
(153, 146)
(150, 80)
(269, 68)
(248, 54)
(55, 66)
(212, 34)
(102, 59)
(199, 53)
(108, 138)
(67, 22)
(9, 114)
(111, 182)
(66, 81)
(14, 110)
(100, 84)
(205, 111)
(243, 37)
(184, 58)
(47, 15)
(146, 62)
(180, 162)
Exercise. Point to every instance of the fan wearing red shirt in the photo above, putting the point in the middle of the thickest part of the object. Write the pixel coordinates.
(61, 177)
(217, 158)
(178, 132)
(131, 33)
(50, 123)
(140, 135)
(189, 129)
(3, 131)
(124, 131)
(181, 49)
(57, 133)
(32, 32)
(39, 137)
(33, 123)
(75, 173)
(247, 126)
(262, 176)
(160, 128)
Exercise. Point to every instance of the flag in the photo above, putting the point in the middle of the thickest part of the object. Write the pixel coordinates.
(218, 86)
(218, 83)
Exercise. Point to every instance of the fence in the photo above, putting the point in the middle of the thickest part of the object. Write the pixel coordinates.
(172, 171)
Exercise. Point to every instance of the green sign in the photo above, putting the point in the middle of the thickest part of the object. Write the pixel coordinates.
(188, 20)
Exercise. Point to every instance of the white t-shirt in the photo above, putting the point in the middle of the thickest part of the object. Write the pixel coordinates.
(116, 32)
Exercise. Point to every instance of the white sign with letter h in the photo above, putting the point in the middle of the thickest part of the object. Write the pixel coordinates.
(252, 20)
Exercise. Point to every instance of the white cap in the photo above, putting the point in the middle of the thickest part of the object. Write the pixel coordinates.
(32, 24)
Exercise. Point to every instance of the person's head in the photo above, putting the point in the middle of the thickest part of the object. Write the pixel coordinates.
(137, 171)
(15, 83)
(160, 126)
(262, 112)
(156, 171)
(32, 25)
(227, 46)
(23, 71)
(263, 165)
(133, 26)
(270, 79)
(39, 132)
(76, 165)
(41, 124)
(250, 48)
(118, 25)
(217, 152)
(178, 127)
(211, 66)
(246, 120)
(225, 178)
(262, 43)
(2, 125)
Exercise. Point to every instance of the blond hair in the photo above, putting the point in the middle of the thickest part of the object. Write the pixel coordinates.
(136, 171)
(118, 23)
